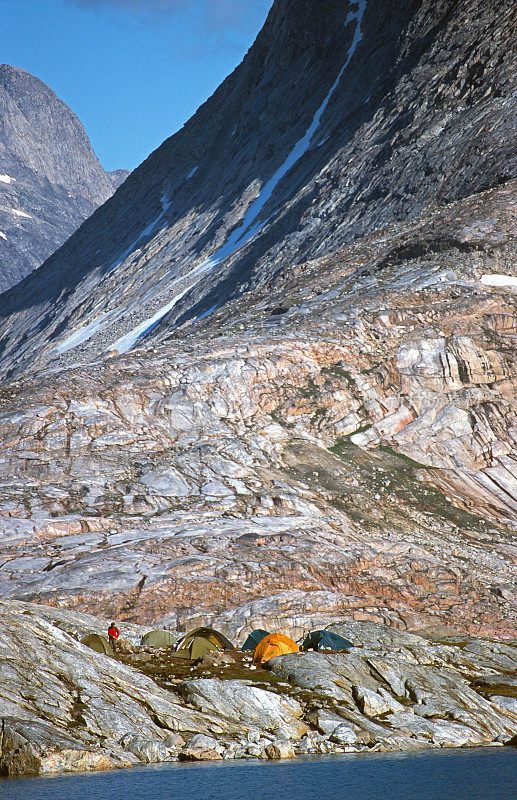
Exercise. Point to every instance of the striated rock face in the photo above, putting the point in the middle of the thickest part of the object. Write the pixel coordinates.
(322, 428)
(341, 442)
(246, 705)
(68, 708)
(50, 178)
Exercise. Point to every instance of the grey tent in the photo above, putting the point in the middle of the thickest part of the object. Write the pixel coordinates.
(159, 639)
(254, 638)
(98, 643)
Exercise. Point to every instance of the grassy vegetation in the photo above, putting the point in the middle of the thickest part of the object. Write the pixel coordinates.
(393, 475)
(337, 371)
(171, 673)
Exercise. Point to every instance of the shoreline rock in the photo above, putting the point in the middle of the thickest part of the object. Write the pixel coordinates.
(69, 708)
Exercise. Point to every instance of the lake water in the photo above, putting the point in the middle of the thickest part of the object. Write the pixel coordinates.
(473, 774)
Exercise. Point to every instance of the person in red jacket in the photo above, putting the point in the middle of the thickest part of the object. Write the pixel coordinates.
(113, 634)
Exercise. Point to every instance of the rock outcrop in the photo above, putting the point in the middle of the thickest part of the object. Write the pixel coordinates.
(50, 178)
(68, 708)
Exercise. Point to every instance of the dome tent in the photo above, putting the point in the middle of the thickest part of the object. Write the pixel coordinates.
(200, 641)
(159, 639)
(273, 645)
(254, 638)
(99, 643)
(325, 640)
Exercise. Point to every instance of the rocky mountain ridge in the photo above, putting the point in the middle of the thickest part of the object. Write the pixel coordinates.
(323, 133)
(344, 449)
(50, 178)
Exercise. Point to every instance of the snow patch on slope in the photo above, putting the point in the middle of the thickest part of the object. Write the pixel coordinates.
(206, 313)
(244, 232)
(497, 279)
(150, 228)
(7, 179)
(127, 341)
(82, 335)
(3, 236)
(18, 213)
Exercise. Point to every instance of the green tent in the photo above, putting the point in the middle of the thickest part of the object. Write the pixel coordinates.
(159, 639)
(98, 643)
(195, 648)
(200, 641)
(254, 638)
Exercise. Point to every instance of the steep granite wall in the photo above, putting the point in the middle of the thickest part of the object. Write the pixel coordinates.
(50, 178)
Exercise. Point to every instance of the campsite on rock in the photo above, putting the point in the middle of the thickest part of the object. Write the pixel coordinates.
(79, 705)
(258, 470)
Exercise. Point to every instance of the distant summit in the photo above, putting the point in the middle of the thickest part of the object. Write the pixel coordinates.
(50, 178)
(118, 176)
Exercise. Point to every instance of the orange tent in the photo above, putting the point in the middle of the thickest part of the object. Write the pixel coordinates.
(272, 645)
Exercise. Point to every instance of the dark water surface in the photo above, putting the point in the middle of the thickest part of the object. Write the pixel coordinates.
(474, 774)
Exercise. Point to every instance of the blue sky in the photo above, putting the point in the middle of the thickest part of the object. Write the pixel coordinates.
(132, 70)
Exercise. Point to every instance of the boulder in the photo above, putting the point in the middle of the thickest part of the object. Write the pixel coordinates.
(150, 751)
(202, 748)
(345, 735)
(280, 749)
(247, 707)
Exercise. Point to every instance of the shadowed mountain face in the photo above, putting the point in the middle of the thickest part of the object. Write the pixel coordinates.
(274, 375)
(341, 118)
(50, 178)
